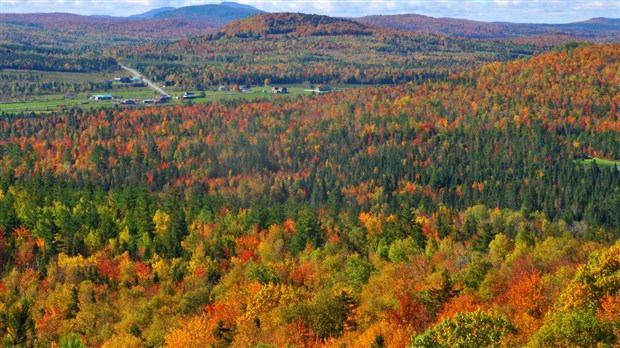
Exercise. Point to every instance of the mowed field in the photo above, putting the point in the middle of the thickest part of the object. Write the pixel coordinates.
(29, 90)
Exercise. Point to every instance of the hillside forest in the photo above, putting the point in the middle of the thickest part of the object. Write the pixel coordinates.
(296, 48)
(469, 210)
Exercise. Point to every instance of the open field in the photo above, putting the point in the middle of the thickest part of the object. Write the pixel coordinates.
(22, 86)
(53, 102)
(599, 161)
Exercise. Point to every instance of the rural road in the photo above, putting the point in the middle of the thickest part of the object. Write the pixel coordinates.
(147, 81)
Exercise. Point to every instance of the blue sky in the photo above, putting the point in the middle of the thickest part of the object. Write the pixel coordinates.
(524, 11)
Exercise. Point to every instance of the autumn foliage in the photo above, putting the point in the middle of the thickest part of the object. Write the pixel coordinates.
(447, 212)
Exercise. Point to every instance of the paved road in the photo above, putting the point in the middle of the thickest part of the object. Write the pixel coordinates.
(147, 81)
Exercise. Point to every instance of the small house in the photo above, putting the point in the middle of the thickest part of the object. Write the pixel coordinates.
(128, 102)
(102, 97)
(148, 101)
(244, 89)
(160, 99)
(279, 90)
(189, 95)
(323, 89)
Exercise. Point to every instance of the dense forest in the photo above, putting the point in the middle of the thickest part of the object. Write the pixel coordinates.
(295, 48)
(94, 33)
(20, 85)
(53, 59)
(449, 212)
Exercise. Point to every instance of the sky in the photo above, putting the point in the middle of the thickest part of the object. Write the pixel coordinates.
(519, 11)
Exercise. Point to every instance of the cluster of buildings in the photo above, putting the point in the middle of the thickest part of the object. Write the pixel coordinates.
(136, 80)
(160, 99)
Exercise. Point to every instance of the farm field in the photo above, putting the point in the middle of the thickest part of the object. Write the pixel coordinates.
(43, 86)
(52, 102)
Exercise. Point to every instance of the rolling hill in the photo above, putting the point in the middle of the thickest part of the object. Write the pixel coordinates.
(152, 13)
(222, 13)
(96, 32)
(596, 29)
(294, 48)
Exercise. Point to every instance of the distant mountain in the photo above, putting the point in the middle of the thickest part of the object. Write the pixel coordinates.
(237, 5)
(223, 13)
(449, 26)
(71, 30)
(615, 22)
(596, 29)
(152, 13)
(594, 24)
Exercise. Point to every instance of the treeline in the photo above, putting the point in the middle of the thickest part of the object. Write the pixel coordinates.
(16, 56)
(300, 71)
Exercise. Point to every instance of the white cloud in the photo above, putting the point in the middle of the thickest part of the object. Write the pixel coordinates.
(552, 11)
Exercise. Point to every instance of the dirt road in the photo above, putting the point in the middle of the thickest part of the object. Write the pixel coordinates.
(147, 81)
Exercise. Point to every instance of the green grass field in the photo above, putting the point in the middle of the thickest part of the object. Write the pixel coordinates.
(45, 101)
(54, 102)
(599, 161)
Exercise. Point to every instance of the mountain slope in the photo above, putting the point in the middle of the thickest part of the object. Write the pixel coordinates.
(593, 24)
(215, 13)
(75, 31)
(152, 13)
(516, 126)
(237, 5)
(71, 30)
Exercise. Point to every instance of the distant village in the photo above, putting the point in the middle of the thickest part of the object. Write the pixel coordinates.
(138, 81)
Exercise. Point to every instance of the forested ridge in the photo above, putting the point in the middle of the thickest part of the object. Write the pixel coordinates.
(16, 56)
(297, 48)
(77, 32)
(595, 30)
(442, 212)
